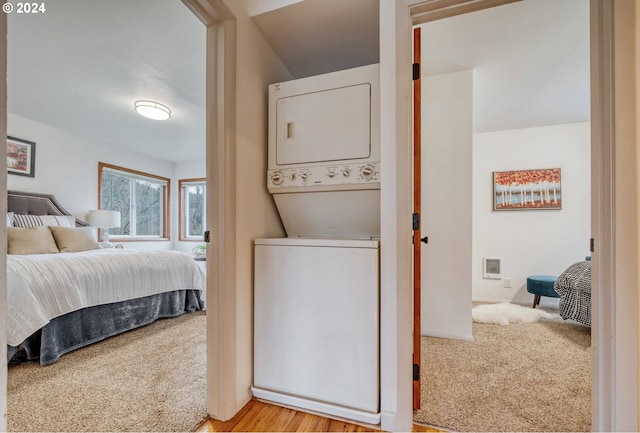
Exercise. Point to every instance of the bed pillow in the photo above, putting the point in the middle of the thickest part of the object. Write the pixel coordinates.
(26, 221)
(74, 239)
(34, 240)
(10, 219)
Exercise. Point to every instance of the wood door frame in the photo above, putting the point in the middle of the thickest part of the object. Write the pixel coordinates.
(417, 210)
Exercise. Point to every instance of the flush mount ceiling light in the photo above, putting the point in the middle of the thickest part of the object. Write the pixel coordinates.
(152, 110)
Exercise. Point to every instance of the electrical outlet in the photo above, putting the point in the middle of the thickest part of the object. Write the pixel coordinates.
(507, 282)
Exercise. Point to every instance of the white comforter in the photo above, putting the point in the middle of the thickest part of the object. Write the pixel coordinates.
(41, 287)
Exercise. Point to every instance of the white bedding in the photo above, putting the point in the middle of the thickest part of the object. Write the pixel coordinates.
(41, 287)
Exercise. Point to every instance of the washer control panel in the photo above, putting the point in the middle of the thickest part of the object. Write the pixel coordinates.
(338, 174)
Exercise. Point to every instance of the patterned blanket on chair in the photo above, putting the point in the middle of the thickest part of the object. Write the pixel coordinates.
(574, 288)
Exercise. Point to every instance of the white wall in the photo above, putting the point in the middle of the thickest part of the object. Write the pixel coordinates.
(3, 231)
(396, 293)
(256, 216)
(624, 193)
(447, 118)
(530, 242)
(67, 166)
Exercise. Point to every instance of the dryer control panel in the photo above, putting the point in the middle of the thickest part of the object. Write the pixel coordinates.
(324, 176)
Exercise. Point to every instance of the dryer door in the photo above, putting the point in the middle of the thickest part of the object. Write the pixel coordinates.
(330, 125)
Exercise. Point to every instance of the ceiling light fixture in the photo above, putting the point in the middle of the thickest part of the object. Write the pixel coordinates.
(152, 110)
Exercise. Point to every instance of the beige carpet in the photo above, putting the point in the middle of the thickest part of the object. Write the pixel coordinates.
(149, 379)
(519, 377)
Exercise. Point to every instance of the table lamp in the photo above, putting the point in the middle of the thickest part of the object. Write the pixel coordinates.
(104, 219)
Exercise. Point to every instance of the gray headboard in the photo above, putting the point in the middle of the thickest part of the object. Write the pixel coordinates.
(33, 203)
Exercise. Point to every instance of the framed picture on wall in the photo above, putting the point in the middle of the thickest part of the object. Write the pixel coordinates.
(21, 157)
(527, 189)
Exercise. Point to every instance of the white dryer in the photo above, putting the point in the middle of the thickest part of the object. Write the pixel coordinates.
(324, 151)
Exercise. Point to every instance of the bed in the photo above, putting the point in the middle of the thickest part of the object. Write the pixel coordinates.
(574, 288)
(62, 301)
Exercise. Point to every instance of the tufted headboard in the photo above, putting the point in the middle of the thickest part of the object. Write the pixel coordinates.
(33, 203)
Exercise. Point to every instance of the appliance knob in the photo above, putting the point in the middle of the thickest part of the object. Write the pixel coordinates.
(277, 178)
(304, 176)
(367, 172)
(346, 171)
(331, 173)
(292, 176)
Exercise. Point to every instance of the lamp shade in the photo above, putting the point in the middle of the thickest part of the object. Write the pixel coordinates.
(104, 218)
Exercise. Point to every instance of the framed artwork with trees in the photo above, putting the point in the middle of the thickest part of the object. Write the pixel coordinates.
(527, 189)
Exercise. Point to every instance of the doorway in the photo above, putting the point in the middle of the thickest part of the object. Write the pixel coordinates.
(605, 21)
(62, 157)
(485, 111)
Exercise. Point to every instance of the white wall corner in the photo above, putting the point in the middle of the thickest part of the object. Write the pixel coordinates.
(3, 231)
(221, 328)
(615, 279)
(626, 184)
(240, 65)
(395, 157)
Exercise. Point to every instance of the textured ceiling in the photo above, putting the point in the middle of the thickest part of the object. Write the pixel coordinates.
(530, 61)
(82, 64)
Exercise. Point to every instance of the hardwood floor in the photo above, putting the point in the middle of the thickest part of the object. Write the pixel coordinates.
(258, 416)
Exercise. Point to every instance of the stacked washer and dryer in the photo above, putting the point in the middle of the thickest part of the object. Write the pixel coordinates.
(316, 292)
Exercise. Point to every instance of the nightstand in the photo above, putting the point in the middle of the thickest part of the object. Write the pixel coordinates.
(201, 261)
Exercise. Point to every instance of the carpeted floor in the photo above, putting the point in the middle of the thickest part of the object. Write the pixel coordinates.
(149, 379)
(519, 377)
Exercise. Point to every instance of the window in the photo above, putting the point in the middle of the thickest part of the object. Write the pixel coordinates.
(193, 208)
(141, 198)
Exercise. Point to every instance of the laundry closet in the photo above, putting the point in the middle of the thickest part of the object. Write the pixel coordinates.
(316, 292)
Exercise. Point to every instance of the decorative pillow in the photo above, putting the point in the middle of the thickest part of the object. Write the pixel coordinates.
(34, 240)
(74, 239)
(10, 219)
(26, 221)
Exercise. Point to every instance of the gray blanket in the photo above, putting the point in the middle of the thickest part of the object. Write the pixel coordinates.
(89, 325)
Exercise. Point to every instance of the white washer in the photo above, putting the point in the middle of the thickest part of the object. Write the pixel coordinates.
(316, 327)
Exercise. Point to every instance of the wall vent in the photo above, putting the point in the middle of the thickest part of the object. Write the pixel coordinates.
(492, 268)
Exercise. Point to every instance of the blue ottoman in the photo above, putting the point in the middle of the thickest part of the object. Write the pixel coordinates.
(541, 285)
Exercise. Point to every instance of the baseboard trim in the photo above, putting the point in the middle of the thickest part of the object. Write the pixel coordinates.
(544, 301)
(316, 406)
(449, 335)
(389, 421)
